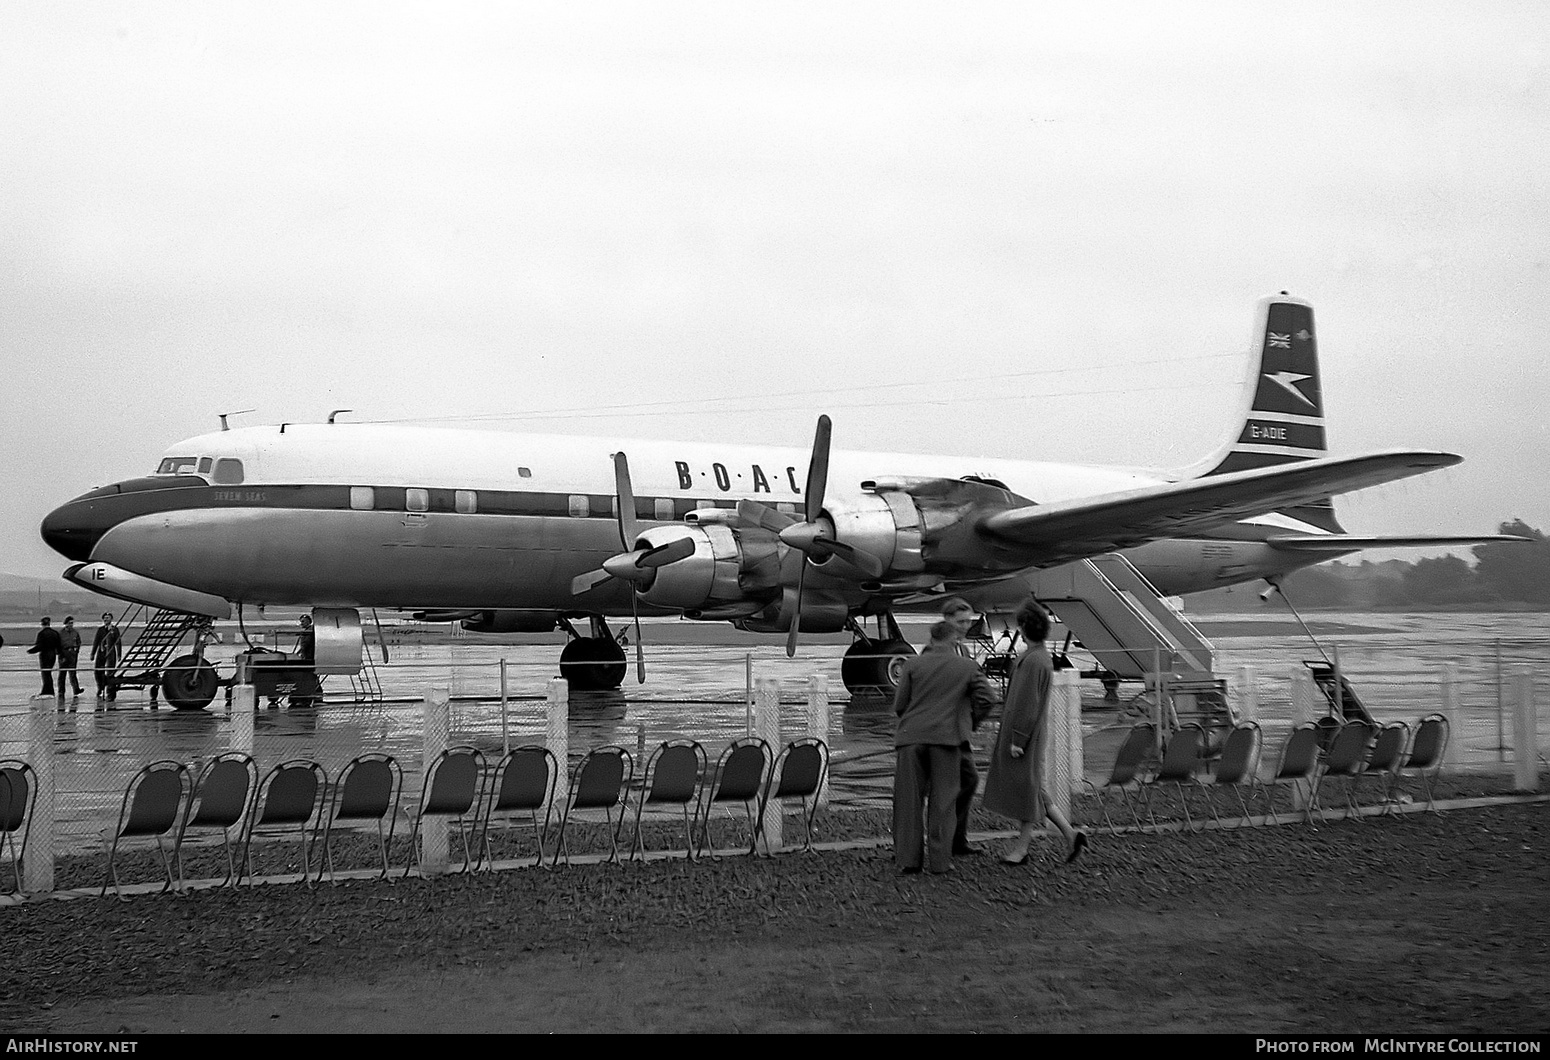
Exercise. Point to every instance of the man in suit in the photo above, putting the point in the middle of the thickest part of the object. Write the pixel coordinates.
(941, 696)
(958, 611)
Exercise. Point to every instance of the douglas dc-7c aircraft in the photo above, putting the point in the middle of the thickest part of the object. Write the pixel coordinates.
(520, 532)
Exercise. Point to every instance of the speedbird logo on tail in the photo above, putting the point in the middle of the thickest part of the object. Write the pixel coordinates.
(1288, 381)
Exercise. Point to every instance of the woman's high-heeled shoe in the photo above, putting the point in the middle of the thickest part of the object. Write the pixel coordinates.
(1078, 845)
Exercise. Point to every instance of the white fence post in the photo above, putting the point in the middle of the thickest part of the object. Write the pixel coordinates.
(438, 727)
(38, 861)
(818, 721)
(557, 735)
(1525, 737)
(1248, 693)
(244, 704)
(1063, 749)
(766, 721)
(1450, 709)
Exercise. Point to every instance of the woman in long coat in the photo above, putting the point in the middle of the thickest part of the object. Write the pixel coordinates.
(1015, 785)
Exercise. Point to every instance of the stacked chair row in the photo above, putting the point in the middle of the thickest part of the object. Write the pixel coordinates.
(1354, 751)
(165, 802)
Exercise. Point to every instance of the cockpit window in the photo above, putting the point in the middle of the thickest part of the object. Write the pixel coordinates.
(204, 465)
(177, 465)
(228, 472)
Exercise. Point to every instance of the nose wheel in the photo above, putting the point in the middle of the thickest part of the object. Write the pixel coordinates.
(189, 683)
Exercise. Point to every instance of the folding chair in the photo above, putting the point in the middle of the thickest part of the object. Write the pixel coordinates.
(673, 774)
(524, 779)
(1128, 763)
(1237, 766)
(1425, 755)
(17, 783)
(602, 782)
(368, 789)
(149, 809)
(290, 795)
(797, 774)
(739, 777)
(1384, 760)
(451, 790)
(219, 800)
(1180, 763)
(1347, 757)
(1299, 762)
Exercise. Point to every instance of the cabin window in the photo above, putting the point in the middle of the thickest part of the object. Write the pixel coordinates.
(523, 472)
(228, 472)
(417, 500)
(466, 501)
(176, 465)
(664, 509)
(363, 498)
(579, 507)
(204, 465)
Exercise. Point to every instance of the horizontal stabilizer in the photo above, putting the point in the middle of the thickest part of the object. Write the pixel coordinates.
(1068, 530)
(1355, 542)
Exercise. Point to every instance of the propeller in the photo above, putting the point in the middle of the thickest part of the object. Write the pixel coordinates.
(637, 566)
(813, 534)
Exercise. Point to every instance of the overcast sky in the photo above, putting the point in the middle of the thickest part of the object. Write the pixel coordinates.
(1022, 229)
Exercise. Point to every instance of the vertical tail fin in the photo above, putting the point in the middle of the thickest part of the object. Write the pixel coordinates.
(1284, 418)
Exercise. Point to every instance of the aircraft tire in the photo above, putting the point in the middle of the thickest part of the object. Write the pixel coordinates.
(872, 668)
(593, 664)
(189, 683)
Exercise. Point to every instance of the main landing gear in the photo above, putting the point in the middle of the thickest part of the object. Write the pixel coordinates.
(872, 666)
(595, 663)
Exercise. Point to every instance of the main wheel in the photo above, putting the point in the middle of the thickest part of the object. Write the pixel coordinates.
(872, 668)
(593, 664)
(189, 683)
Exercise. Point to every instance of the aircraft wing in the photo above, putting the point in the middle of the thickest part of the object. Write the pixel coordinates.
(1355, 542)
(1067, 530)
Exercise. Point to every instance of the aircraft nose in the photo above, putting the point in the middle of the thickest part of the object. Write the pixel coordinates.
(73, 529)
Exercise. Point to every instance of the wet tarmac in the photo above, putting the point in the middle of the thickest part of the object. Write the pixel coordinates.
(701, 692)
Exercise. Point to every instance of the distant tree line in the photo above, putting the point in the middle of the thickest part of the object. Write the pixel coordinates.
(1506, 574)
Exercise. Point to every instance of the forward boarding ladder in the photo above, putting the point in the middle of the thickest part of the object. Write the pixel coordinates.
(1121, 619)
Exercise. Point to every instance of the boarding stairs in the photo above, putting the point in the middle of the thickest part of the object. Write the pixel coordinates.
(1122, 620)
(366, 686)
(158, 640)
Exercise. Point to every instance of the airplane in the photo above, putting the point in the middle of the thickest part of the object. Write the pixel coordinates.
(508, 532)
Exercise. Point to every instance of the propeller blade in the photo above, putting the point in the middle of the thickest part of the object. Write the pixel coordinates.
(588, 581)
(864, 562)
(662, 555)
(796, 612)
(817, 470)
(762, 515)
(640, 649)
(624, 498)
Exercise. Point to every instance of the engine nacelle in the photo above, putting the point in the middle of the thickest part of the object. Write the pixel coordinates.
(703, 580)
(886, 524)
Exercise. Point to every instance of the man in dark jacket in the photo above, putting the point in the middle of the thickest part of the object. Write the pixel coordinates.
(941, 697)
(46, 648)
(69, 656)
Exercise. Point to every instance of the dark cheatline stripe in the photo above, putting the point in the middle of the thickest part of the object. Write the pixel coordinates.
(127, 500)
